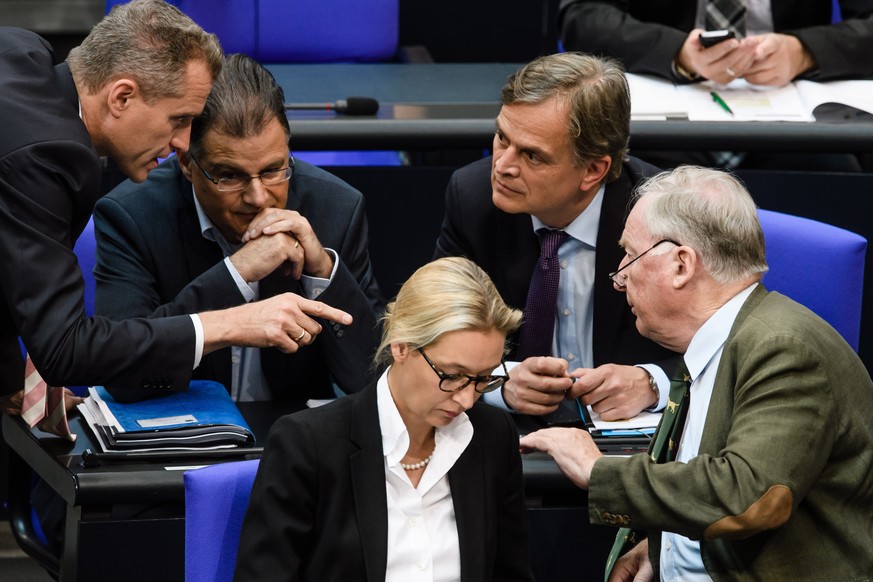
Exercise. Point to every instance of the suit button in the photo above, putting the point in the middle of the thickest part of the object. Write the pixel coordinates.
(340, 333)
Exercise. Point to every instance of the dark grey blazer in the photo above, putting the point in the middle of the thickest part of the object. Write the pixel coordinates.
(49, 181)
(152, 260)
(318, 509)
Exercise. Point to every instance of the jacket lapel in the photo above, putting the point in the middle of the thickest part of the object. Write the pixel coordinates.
(467, 482)
(368, 484)
(608, 303)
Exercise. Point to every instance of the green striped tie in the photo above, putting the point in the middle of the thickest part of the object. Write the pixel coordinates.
(663, 447)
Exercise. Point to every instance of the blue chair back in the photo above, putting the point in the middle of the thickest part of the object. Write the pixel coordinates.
(85, 249)
(818, 265)
(216, 498)
(299, 31)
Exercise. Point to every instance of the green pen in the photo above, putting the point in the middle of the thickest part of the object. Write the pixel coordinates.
(720, 101)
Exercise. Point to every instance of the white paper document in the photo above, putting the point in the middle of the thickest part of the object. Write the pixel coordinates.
(644, 422)
(659, 99)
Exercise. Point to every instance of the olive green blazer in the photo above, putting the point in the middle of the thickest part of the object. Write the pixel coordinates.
(782, 488)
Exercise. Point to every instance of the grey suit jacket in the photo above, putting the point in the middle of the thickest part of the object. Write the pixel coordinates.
(153, 260)
(318, 509)
(782, 487)
(646, 35)
(49, 181)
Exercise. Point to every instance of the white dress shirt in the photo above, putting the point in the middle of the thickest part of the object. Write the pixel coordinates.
(422, 533)
(680, 556)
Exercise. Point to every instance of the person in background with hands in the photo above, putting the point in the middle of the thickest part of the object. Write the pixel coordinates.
(560, 165)
(129, 91)
(776, 41)
(235, 218)
(762, 466)
(410, 479)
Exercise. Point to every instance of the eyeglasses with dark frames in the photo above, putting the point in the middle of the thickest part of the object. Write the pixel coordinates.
(241, 181)
(621, 280)
(455, 382)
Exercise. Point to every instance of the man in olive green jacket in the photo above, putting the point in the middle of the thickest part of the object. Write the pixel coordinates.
(772, 474)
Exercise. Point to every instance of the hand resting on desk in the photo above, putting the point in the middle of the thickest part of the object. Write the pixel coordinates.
(574, 451)
(11, 403)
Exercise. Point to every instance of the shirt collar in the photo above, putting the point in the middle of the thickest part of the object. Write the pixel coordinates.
(584, 227)
(210, 231)
(395, 437)
(712, 334)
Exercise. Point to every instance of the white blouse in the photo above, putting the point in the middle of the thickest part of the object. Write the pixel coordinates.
(422, 533)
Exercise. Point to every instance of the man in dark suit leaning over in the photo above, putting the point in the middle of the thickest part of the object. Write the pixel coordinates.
(129, 91)
(560, 163)
(233, 219)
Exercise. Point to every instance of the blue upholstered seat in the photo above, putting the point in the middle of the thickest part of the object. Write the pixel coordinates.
(216, 498)
(299, 31)
(818, 265)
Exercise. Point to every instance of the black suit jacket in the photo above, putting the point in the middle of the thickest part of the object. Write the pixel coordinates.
(646, 35)
(506, 247)
(318, 509)
(152, 260)
(49, 181)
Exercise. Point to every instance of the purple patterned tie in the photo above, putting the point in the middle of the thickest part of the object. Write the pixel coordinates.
(536, 334)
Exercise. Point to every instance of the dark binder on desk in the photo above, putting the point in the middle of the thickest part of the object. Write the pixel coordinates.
(202, 417)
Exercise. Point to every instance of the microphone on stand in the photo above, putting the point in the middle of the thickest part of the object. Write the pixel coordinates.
(348, 106)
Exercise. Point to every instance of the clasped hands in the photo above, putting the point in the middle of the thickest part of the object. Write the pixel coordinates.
(281, 238)
(538, 385)
(278, 238)
(770, 59)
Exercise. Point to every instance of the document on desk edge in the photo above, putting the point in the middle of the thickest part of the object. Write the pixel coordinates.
(660, 99)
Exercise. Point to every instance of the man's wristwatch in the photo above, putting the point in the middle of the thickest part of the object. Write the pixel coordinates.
(682, 74)
(653, 384)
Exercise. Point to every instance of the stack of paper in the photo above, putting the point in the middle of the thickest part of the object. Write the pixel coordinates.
(202, 418)
(659, 99)
(643, 423)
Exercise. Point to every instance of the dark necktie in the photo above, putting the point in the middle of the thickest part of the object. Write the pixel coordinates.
(726, 15)
(538, 330)
(664, 444)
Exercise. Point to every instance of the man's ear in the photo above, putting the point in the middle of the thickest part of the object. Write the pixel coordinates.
(184, 164)
(685, 265)
(596, 171)
(121, 93)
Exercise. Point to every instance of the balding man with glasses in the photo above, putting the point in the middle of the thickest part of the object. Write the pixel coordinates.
(232, 220)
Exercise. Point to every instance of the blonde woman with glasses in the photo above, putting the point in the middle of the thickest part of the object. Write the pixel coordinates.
(410, 479)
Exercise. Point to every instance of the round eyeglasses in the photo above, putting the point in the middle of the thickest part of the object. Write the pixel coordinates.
(241, 181)
(455, 382)
(620, 278)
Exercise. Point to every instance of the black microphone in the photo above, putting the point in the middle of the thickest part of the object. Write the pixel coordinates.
(348, 106)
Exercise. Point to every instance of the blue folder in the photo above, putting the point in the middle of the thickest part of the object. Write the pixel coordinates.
(203, 415)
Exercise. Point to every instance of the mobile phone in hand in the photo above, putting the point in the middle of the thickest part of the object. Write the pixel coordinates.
(713, 37)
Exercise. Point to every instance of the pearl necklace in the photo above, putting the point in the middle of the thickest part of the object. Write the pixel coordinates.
(420, 464)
